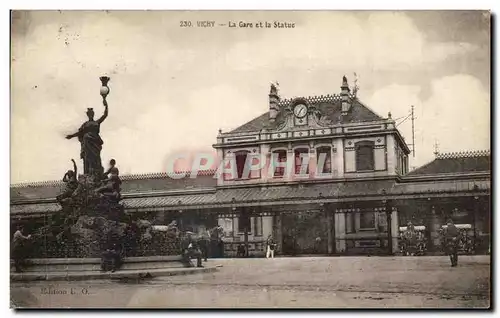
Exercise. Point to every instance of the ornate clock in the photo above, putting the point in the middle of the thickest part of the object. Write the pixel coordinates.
(300, 110)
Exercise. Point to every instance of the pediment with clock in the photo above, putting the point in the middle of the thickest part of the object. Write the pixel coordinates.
(300, 114)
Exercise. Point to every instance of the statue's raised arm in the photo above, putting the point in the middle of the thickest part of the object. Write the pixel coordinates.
(105, 115)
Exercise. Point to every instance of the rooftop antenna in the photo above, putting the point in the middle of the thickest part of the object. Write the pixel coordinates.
(412, 116)
(355, 89)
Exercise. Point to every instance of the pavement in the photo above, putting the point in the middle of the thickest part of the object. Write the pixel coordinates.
(312, 282)
(121, 274)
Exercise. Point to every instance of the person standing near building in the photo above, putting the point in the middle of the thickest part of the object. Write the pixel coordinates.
(271, 245)
(190, 249)
(19, 248)
(451, 240)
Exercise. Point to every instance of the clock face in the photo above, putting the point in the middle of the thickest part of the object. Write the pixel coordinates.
(300, 110)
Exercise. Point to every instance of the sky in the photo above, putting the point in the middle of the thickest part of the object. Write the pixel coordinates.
(173, 87)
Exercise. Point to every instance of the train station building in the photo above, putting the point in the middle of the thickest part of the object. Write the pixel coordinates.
(324, 175)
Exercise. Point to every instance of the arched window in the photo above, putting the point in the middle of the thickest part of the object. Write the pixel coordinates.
(280, 157)
(241, 161)
(301, 155)
(324, 158)
(365, 159)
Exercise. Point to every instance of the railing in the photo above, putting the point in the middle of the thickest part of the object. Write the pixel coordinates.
(157, 246)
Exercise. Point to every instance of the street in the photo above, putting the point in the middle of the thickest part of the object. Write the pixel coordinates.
(317, 282)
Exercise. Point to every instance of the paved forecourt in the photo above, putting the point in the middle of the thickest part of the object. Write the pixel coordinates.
(326, 282)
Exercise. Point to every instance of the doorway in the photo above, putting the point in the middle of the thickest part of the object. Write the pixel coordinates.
(304, 232)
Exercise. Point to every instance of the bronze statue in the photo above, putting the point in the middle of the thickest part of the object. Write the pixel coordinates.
(91, 142)
(70, 179)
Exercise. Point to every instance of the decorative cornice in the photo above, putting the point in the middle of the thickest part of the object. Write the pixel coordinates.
(463, 154)
(314, 99)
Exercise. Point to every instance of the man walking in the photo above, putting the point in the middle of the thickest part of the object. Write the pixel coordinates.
(451, 241)
(271, 245)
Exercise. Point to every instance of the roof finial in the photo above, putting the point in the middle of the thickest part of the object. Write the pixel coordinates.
(436, 148)
(389, 115)
(274, 88)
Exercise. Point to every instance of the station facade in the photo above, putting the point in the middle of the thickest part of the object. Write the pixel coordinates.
(324, 175)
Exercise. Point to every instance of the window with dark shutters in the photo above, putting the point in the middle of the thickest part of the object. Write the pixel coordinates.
(300, 156)
(365, 159)
(241, 161)
(279, 172)
(326, 153)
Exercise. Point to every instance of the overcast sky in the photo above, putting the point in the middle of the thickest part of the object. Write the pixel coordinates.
(172, 88)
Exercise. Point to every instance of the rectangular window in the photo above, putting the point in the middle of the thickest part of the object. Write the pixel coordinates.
(244, 224)
(301, 155)
(241, 161)
(365, 158)
(324, 158)
(279, 172)
(367, 220)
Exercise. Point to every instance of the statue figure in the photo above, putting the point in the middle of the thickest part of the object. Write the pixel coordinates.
(111, 188)
(172, 230)
(274, 89)
(70, 179)
(91, 142)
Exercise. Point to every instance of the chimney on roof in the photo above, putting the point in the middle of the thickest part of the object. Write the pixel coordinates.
(273, 103)
(344, 95)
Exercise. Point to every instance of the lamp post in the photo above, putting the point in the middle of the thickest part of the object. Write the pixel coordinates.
(180, 216)
(323, 211)
(388, 213)
(104, 88)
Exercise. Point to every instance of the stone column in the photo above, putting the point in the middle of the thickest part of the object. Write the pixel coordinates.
(265, 155)
(220, 157)
(391, 155)
(330, 229)
(277, 231)
(312, 164)
(340, 231)
(395, 230)
(337, 158)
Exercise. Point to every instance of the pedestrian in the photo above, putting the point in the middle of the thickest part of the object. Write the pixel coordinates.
(271, 245)
(19, 248)
(411, 239)
(451, 240)
(190, 249)
(111, 259)
(204, 243)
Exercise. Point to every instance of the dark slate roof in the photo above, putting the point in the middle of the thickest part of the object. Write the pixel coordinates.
(462, 162)
(330, 107)
(130, 184)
